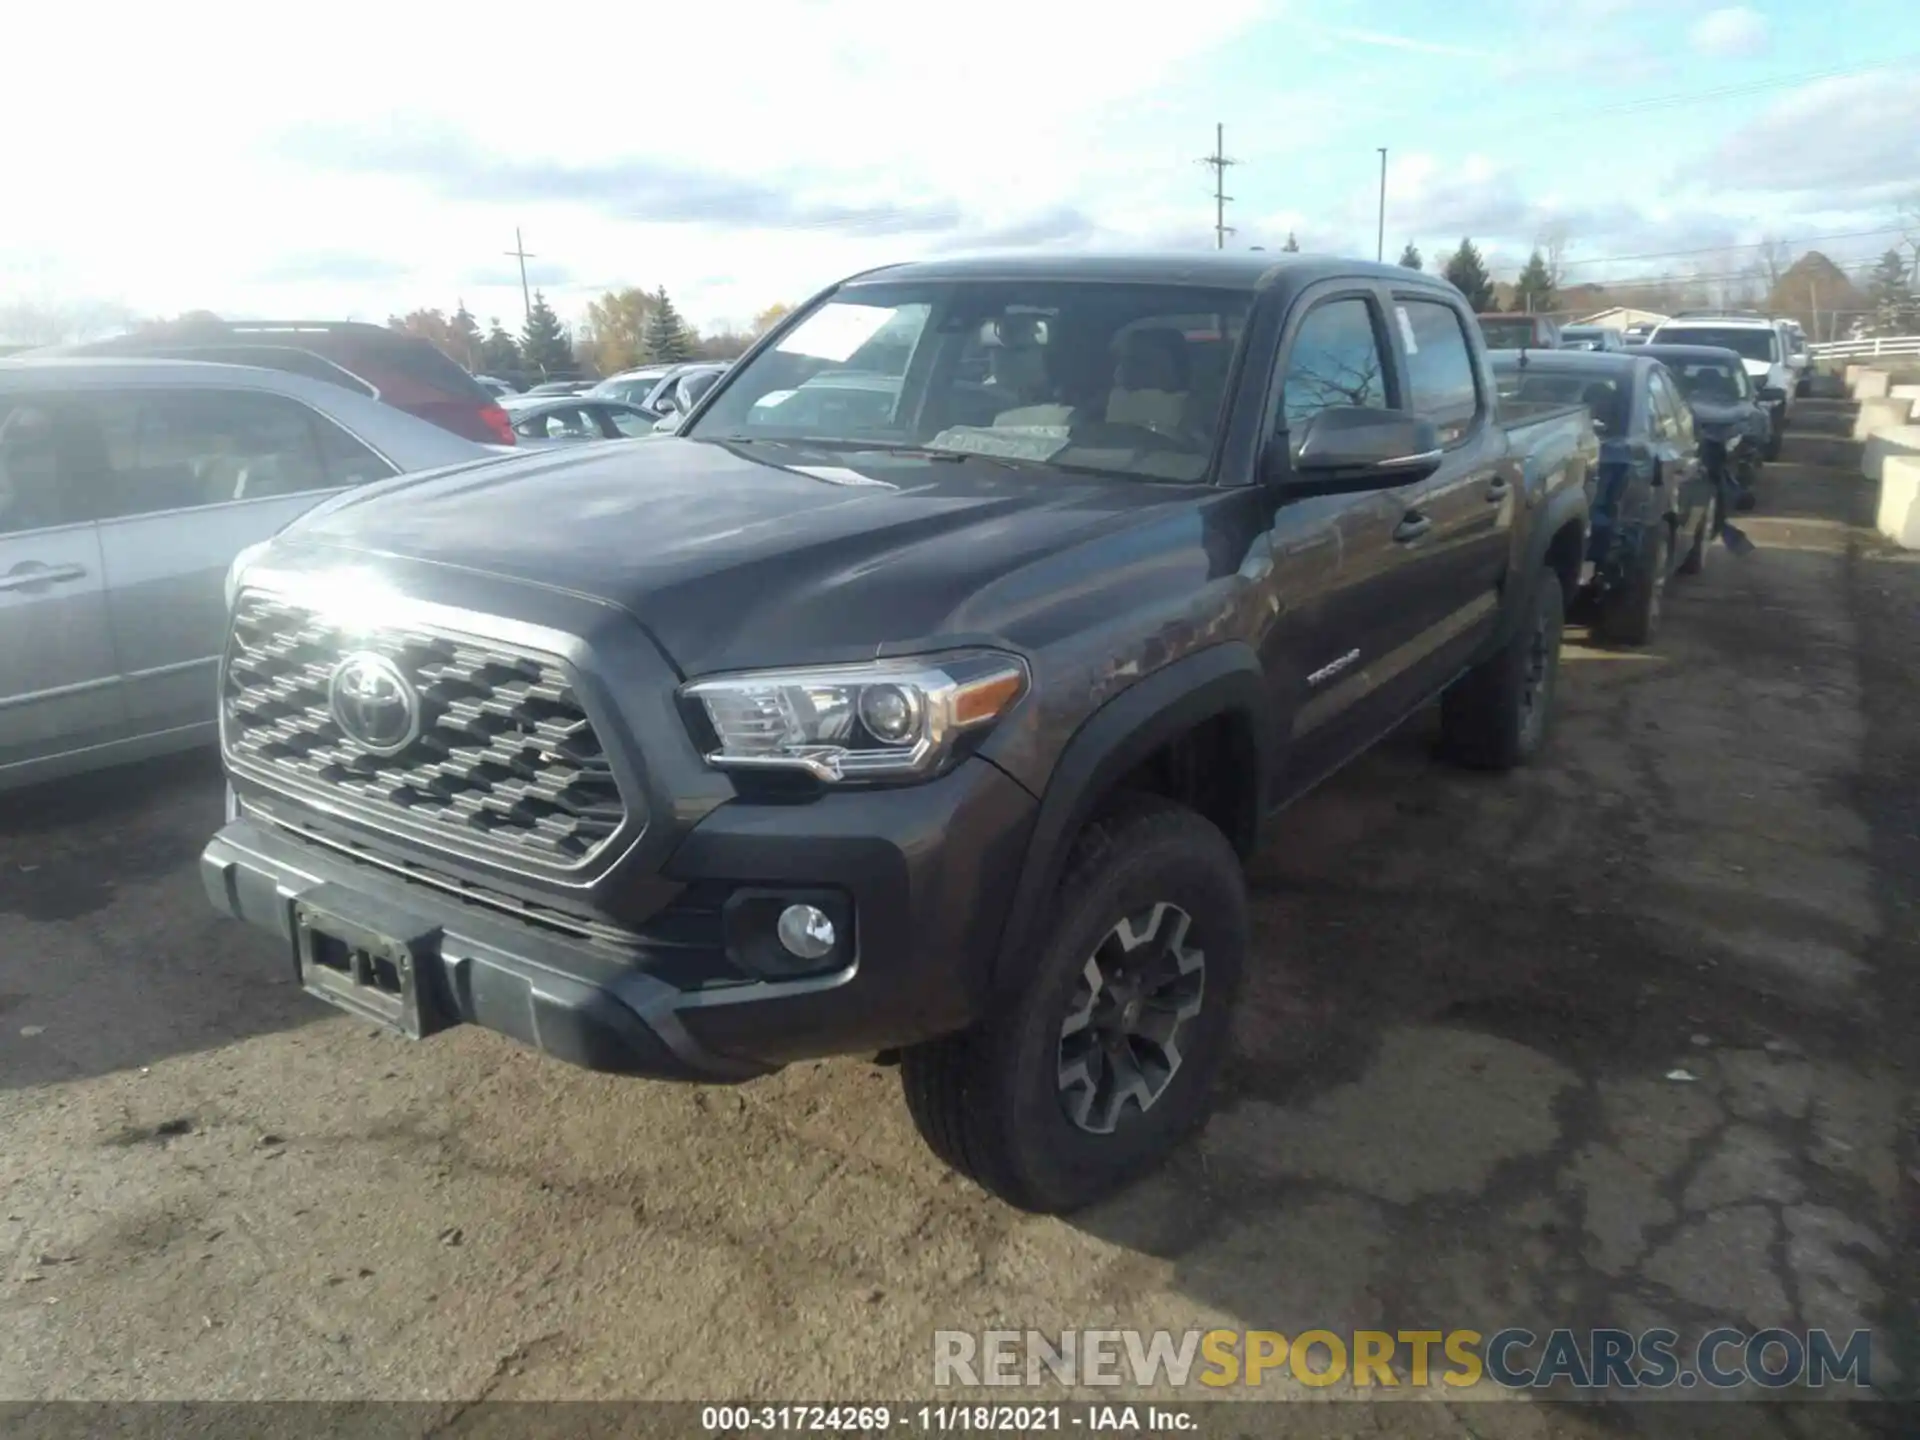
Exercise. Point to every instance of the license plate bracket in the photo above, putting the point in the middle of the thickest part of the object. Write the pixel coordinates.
(378, 967)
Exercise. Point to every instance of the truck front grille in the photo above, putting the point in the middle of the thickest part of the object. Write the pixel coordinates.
(505, 759)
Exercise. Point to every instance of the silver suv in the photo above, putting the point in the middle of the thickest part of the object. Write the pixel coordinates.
(127, 487)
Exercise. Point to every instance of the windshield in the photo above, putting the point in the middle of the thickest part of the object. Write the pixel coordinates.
(1711, 381)
(1748, 342)
(1606, 398)
(1123, 379)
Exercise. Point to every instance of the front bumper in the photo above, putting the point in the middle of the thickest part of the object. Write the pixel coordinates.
(925, 872)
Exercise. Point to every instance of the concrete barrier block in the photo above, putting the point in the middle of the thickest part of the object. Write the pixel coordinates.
(1852, 373)
(1870, 385)
(1884, 414)
(1899, 518)
(1905, 392)
(1899, 441)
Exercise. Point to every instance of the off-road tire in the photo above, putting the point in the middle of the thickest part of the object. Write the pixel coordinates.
(1497, 715)
(1631, 615)
(988, 1101)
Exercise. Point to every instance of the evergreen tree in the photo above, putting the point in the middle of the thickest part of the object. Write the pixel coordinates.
(668, 341)
(1891, 296)
(1467, 273)
(1533, 291)
(463, 337)
(544, 347)
(1410, 257)
(1292, 247)
(499, 354)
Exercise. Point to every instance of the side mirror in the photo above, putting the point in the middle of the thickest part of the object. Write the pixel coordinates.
(1351, 449)
(666, 425)
(1772, 394)
(695, 387)
(668, 404)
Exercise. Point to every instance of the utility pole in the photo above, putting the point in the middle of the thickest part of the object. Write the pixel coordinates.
(1219, 162)
(519, 252)
(1380, 241)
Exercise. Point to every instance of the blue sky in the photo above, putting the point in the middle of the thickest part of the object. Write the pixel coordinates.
(381, 160)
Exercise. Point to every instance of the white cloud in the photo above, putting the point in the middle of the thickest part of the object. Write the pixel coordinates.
(1733, 32)
(1839, 143)
(183, 191)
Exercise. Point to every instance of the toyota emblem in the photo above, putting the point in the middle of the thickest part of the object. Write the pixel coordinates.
(373, 703)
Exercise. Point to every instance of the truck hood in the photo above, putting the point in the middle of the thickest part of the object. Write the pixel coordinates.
(737, 555)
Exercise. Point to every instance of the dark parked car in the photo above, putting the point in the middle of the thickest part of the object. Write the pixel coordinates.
(937, 727)
(1654, 512)
(403, 371)
(1519, 332)
(683, 386)
(1734, 427)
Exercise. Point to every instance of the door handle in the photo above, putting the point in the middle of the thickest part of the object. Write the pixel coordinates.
(1413, 528)
(21, 578)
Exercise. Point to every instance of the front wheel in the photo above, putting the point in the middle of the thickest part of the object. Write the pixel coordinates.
(1090, 1073)
(1495, 716)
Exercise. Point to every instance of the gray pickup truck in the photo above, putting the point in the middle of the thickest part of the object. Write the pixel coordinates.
(919, 699)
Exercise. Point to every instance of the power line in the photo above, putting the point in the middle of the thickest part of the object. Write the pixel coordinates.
(1726, 92)
(1746, 245)
(1219, 163)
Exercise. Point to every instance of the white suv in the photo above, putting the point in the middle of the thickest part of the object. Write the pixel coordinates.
(1764, 346)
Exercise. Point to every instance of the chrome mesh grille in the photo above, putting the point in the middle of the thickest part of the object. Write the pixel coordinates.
(506, 758)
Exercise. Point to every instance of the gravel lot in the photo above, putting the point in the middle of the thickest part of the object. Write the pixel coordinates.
(1448, 1106)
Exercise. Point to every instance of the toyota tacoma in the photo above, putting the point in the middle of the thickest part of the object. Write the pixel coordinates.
(919, 699)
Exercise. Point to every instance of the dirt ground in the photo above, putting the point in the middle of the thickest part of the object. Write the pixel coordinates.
(1450, 1105)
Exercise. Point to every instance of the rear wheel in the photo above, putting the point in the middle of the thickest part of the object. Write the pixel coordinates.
(1093, 1071)
(1496, 715)
(1631, 615)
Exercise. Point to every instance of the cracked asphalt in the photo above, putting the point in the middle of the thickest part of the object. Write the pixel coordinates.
(1625, 1039)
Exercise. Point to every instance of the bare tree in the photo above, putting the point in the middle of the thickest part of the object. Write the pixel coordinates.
(1554, 243)
(1910, 229)
(31, 322)
(1773, 261)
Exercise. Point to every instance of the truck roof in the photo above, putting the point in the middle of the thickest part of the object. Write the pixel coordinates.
(1235, 270)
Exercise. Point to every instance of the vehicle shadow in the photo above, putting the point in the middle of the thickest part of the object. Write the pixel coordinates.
(110, 956)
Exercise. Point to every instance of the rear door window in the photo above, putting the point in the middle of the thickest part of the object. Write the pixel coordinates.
(1441, 385)
(183, 449)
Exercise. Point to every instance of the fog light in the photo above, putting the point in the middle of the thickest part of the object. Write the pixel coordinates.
(805, 931)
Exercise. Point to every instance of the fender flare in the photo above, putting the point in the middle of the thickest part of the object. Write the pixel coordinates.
(1567, 505)
(1222, 679)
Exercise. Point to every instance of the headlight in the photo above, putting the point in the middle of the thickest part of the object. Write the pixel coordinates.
(887, 720)
(238, 569)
